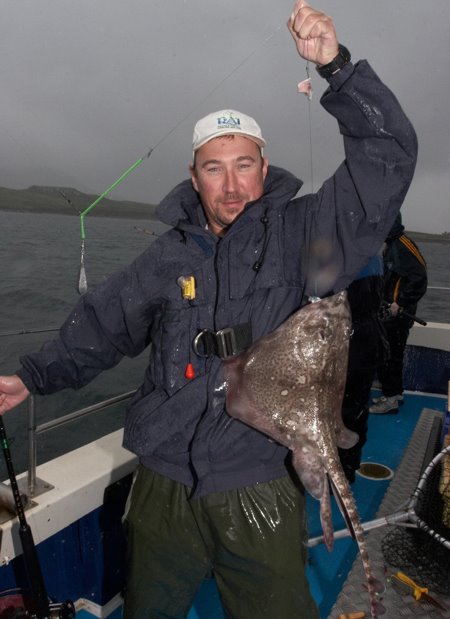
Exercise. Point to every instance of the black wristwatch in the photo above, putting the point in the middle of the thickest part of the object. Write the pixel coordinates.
(327, 70)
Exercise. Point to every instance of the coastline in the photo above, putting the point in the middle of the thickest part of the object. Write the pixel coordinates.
(114, 212)
(71, 202)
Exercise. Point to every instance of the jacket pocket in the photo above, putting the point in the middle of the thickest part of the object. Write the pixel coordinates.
(254, 263)
(171, 350)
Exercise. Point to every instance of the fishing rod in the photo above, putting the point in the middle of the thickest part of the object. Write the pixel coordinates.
(385, 311)
(43, 607)
(28, 331)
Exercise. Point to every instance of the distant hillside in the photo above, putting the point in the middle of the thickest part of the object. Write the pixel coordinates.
(69, 201)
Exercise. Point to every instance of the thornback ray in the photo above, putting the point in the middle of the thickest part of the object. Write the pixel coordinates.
(290, 385)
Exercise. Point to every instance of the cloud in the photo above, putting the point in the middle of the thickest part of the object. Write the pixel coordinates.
(88, 87)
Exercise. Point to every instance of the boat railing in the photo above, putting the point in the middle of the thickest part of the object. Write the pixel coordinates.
(35, 486)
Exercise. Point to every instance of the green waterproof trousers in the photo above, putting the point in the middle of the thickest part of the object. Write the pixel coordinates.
(251, 539)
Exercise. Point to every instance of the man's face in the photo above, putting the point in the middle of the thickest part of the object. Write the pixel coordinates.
(229, 172)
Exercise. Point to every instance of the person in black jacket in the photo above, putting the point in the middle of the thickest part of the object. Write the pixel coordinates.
(405, 283)
(242, 254)
(368, 348)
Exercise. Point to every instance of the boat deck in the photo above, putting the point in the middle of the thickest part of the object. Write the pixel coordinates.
(353, 597)
(391, 440)
(399, 442)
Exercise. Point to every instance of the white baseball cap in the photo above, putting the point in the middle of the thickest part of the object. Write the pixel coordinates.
(226, 122)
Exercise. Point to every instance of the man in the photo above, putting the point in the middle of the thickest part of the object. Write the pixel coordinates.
(405, 283)
(211, 494)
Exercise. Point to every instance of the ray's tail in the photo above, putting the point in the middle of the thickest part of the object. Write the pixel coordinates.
(346, 502)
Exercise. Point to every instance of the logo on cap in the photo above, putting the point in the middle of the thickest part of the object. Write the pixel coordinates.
(223, 122)
(228, 122)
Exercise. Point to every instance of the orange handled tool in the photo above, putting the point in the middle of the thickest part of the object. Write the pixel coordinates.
(419, 593)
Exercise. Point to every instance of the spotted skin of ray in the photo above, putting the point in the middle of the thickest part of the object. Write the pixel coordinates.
(290, 385)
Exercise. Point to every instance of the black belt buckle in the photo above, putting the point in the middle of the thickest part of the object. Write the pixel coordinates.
(225, 343)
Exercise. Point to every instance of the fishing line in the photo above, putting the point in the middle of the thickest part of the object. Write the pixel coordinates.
(28, 331)
(305, 87)
(82, 279)
(311, 165)
(219, 84)
(69, 201)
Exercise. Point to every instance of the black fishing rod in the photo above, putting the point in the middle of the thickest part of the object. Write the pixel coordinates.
(386, 314)
(28, 331)
(420, 321)
(43, 608)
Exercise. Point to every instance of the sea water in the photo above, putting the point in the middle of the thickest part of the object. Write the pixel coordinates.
(40, 258)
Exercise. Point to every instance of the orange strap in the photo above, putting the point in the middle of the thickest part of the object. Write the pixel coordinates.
(413, 249)
(396, 290)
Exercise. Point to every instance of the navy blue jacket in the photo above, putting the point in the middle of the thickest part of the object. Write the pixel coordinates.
(405, 271)
(312, 245)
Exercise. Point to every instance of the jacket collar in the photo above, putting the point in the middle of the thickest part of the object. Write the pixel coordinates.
(182, 203)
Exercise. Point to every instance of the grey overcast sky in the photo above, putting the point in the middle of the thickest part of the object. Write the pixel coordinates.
(88, 86)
